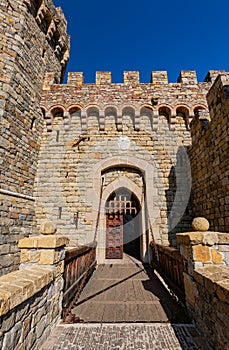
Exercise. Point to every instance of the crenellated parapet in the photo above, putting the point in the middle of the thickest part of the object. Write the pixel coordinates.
(177, 102)
(53, 24)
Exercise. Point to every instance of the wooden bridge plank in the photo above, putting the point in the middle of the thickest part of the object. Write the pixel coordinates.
(126, 293)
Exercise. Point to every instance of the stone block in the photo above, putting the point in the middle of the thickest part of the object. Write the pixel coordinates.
(217, 257)
(210, 238)
(52, 241)
(30, 242)
(223, 238)
(189, 238)
(201, 253)
(47, 257)
(190, 289)
(223, 291)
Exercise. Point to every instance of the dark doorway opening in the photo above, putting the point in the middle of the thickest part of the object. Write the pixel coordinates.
(123, 226)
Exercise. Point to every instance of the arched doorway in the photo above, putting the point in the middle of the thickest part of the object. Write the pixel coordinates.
(123, 226)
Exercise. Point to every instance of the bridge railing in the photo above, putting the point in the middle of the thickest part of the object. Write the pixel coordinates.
(170, 265)
(78, 265)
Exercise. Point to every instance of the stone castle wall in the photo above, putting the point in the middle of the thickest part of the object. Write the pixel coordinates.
(33, 41)
(87, 124)
(209, 158)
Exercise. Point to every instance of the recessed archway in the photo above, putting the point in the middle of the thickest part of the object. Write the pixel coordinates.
(123, 225)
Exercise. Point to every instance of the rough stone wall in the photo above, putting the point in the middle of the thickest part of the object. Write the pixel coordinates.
(87, 124)
(33, 41)
(206, 273)
(209, 158)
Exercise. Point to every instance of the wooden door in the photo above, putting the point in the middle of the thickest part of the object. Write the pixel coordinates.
(114, 236)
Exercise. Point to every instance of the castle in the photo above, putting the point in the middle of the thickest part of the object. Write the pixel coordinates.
(126, 166)
(69, 152)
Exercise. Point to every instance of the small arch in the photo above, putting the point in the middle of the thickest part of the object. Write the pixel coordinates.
(128, 117)
(166, 112)
(57, 109)
(92, 112)
(111, 116)
(182, 112)
(57, 116)
(200, 111)
(75, 112)
(146, 117)
(73, 108)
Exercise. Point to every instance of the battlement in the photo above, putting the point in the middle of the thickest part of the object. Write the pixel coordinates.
(52, 22)
(133, 77)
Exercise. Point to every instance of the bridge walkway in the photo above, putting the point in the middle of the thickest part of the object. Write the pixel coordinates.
(123, 307)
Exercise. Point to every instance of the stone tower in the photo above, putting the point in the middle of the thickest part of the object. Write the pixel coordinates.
(34, 41)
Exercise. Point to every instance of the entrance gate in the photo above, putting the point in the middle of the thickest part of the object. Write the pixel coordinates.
(119, 207)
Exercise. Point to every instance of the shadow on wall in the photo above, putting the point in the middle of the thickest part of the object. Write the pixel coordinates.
(179, 211)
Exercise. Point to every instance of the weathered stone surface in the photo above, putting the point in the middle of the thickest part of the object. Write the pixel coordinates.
(24, 63)
(47, 228)
(43, 242)
(201, 253)
(200, 224)
(217, 257)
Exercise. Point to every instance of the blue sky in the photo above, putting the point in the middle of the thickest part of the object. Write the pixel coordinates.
(147, 35)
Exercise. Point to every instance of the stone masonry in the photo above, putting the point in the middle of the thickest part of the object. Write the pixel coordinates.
(209, 158)
(33, 41)
(88, 125)
(90, 140)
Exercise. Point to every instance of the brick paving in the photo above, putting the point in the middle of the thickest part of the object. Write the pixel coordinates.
(119, 336)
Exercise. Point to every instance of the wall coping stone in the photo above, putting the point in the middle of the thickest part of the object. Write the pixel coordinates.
(45, 242)
(18, 286)
(199, 237)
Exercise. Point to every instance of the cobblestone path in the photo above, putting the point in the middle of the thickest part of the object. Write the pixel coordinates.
(132, 336)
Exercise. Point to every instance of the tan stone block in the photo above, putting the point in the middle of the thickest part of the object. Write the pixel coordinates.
(201, 253)
(189, 238)
(16, 295)
(210, 238)
(27, 287)
(47, 257)
(4, 302)
(24, 256)
(30, 242)
(217, 257)
(52, 241)
(223, 238)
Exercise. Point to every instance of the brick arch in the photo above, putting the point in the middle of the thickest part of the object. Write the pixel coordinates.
(148, 111)
(115, 110)
(74, 107)
(166, 111)
(57, 107)
(185, 111)
(132, 112)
